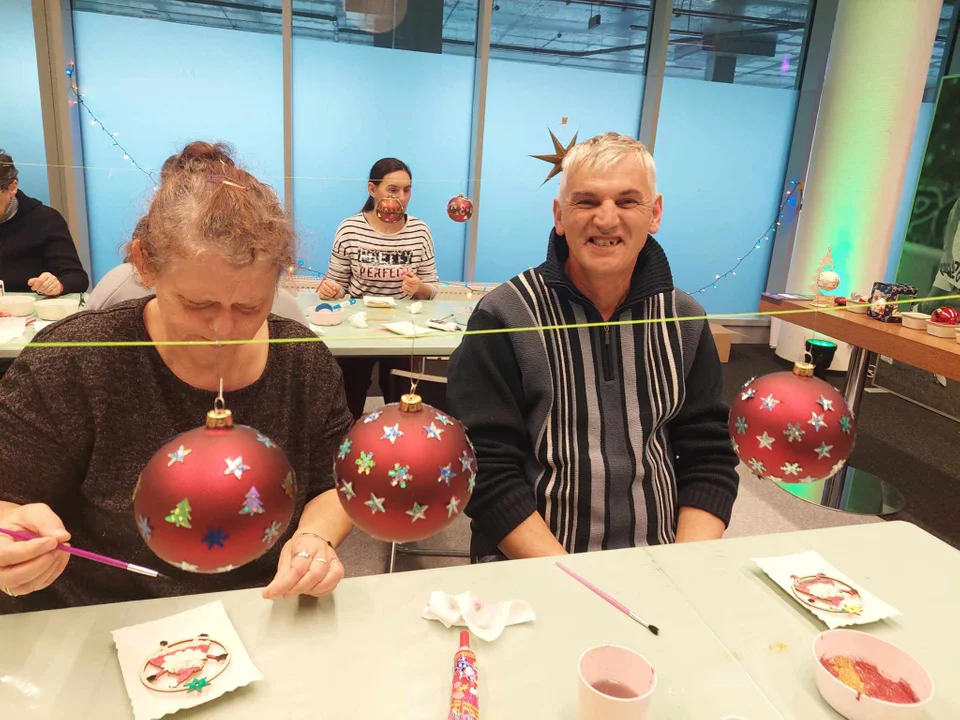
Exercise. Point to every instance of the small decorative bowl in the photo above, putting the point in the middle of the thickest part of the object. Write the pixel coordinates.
(17, 305)
(56, 308)
(933, 328)
(888, 659)
(915, 320)
(858, 303)
(323, 314)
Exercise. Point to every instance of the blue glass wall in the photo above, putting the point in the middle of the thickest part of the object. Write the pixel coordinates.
(721, 155)
(524, 100)
(160, 85)
(21, 124)
(352, 105)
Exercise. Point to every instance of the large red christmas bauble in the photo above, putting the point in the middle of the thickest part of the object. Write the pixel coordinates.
(946, 316)
(791, 427)
(390, 210)
(405, 471)
(216, 497)
(460, 208)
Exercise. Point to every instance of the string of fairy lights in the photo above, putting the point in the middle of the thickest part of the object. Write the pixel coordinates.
(95, 121)
(78, 100)
(795, 188)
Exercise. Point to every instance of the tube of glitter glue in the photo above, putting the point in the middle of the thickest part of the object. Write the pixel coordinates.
(465, 695)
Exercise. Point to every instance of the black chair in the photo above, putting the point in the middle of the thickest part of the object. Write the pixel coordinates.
(433, 390)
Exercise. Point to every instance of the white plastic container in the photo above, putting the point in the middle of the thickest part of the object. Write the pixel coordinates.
(933, 328)
(56, 308)
(915, 320)
(19, 305)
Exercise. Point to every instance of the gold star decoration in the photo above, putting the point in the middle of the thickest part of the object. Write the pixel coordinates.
(556, 159)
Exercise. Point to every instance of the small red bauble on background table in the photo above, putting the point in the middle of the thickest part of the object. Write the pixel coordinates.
(216, 497)
(406, 471)
(390, 210)
(945, 316)
(791, 427)
(460, 208)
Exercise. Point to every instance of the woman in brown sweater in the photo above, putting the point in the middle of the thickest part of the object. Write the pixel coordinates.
(78, 425)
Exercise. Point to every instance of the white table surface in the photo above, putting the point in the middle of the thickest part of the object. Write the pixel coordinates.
(731, 642)
(10, 350)
(347, 340)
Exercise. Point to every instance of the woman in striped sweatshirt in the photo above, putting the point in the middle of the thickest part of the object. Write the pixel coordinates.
(372, 257)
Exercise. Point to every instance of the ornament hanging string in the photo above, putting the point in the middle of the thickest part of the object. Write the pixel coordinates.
(491, 331)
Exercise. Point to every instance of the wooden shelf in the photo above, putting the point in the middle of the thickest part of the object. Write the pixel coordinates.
(914, 347)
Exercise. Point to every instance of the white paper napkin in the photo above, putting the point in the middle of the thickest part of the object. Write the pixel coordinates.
(783, 569)
(359, 320)
(485, 620)
(416, 308)
(137, 642)
(379, 302)
(407, 329)
(11, 328)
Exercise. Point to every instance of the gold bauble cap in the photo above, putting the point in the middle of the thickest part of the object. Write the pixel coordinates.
(219, 418)
(803, 369)
(411, 402)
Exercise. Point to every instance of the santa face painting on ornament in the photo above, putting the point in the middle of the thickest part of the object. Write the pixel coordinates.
(185, 666)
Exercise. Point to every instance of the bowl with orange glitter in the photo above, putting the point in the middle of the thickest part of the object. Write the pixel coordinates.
(865, 678)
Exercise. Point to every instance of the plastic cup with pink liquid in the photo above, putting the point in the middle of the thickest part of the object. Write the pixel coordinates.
(616, 683)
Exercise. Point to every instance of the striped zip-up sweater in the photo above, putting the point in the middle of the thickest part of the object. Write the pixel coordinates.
(605, 431)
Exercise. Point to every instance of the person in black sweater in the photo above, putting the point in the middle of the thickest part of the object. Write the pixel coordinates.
(36, 250)
(602, 436)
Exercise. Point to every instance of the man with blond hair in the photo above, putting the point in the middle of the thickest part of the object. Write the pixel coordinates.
(605, 436)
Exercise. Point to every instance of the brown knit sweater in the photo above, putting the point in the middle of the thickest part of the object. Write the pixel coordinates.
(78, 425)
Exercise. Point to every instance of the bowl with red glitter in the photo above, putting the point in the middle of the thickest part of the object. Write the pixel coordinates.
(865, 678)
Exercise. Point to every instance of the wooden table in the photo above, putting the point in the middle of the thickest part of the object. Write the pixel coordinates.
(913, 347)
(854, 490)
(731, 642)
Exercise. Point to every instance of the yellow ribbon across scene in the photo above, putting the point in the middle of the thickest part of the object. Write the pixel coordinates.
(494, 331)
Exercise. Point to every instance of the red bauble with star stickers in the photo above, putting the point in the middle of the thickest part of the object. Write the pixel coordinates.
(216, 497)
(791, 427)
(390, 210)
(405, 472)
(460, 209)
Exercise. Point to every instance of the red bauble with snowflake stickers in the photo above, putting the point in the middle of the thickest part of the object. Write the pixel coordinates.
(216, 497)
(390, 210)
(791, 427)
(406, 471)
(460, 209)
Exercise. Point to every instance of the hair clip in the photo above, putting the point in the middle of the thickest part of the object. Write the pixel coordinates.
(223, 180)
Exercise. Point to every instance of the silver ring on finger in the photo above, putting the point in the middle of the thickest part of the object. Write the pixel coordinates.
(304, 554)
(321, 559)
(8, 591)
